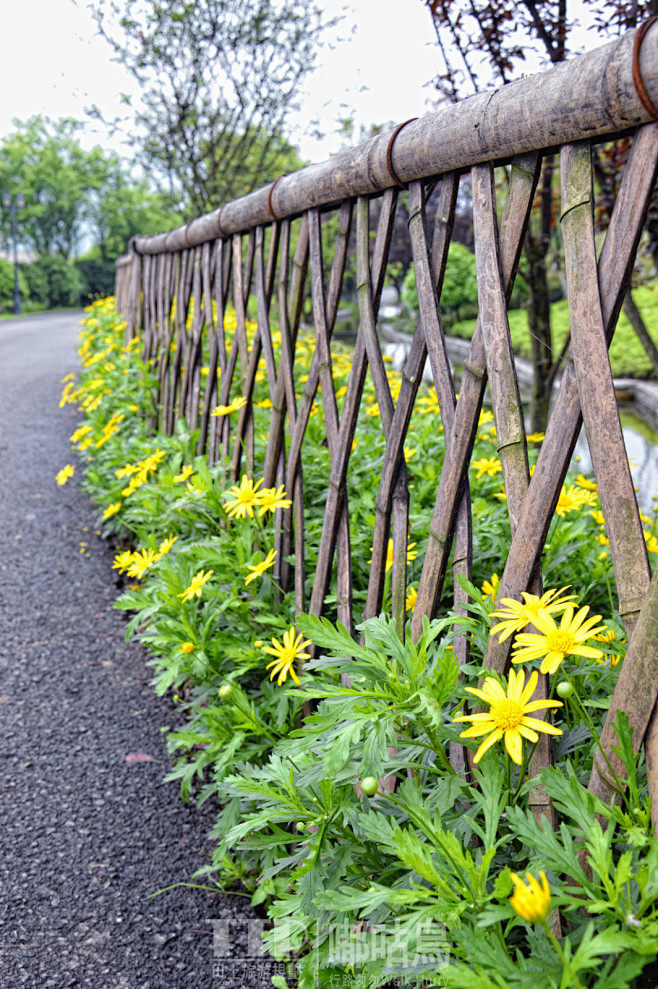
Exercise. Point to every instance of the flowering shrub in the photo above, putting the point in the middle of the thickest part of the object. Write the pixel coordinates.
(339, 807)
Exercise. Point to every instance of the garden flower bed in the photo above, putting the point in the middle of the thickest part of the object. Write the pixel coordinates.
(338, 807)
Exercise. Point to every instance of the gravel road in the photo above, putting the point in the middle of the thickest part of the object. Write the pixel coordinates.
(86, 835)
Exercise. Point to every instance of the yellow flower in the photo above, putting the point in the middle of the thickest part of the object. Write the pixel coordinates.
(166, 545)
(187, 648)
(598, 517)
(150, 463)
(485, 417)
(507, 716)
(286, 654)
(193, 590)
(490, 587)
(66, 395)
(573, 498)
(583, 482)
(259, 569)
(531, 901)
(245, 497)
(135, 482)
(556, 643)
(224, 410)
(112, 509)
(651, 541)
(63, 475)
(411, 554)
(270, 499)
(186, 472)
(535, 437)
(410, 600)
(487, 465)
(122, 560)
(517, 615)
(79, 433)
(141, 561)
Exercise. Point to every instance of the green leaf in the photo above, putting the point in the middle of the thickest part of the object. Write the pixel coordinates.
(335, 638)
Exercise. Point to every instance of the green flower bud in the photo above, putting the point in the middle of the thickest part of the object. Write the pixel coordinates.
(369, 785)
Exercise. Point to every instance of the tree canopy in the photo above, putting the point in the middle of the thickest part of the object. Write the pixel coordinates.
(72, 195)
(218, 80)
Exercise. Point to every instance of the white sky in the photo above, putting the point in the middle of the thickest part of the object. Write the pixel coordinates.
(51, 63)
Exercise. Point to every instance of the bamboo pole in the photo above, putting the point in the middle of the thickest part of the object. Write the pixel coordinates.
(590, 96)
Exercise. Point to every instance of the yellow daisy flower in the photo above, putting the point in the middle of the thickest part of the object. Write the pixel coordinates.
(122, 560)
(573, 498)
(411, 554)
(270, 499)
(286, 654)
(410, 600)
(141, 561)
(225, 410)
(490, 587)
(584, 482)
(166, 545)
(80, 433)
(554, 643)
(531, 901)
(487, 465)
(507, 716)
(245, 497)
(517, 615)
(186, 472)
(193, 590)
(259, 569)
(112, 509)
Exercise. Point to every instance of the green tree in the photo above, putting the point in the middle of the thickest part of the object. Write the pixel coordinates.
(218, 80)
(122, 206)
(72, 195)
(43, 160)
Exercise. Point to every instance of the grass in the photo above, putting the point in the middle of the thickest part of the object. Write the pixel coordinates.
(627, 356)
(36, 310)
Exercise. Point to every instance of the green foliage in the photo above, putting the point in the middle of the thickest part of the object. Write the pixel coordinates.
(411, 878)
(69, 191)
(63, 281)
(628, 358)
(459, 295)
(36, 279)
(7, 285)
(98, 276)
(43, 160)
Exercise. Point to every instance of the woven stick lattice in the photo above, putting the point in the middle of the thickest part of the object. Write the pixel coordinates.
(179, 298)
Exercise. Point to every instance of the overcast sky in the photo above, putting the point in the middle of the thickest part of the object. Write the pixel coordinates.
(51, 63)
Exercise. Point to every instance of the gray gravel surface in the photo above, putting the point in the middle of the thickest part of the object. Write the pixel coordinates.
(86, 835)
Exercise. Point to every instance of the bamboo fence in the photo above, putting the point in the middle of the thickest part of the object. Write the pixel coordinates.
(244, 250)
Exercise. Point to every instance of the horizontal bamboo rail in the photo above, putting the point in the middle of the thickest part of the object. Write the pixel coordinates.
(541, 111)
(244, 250)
